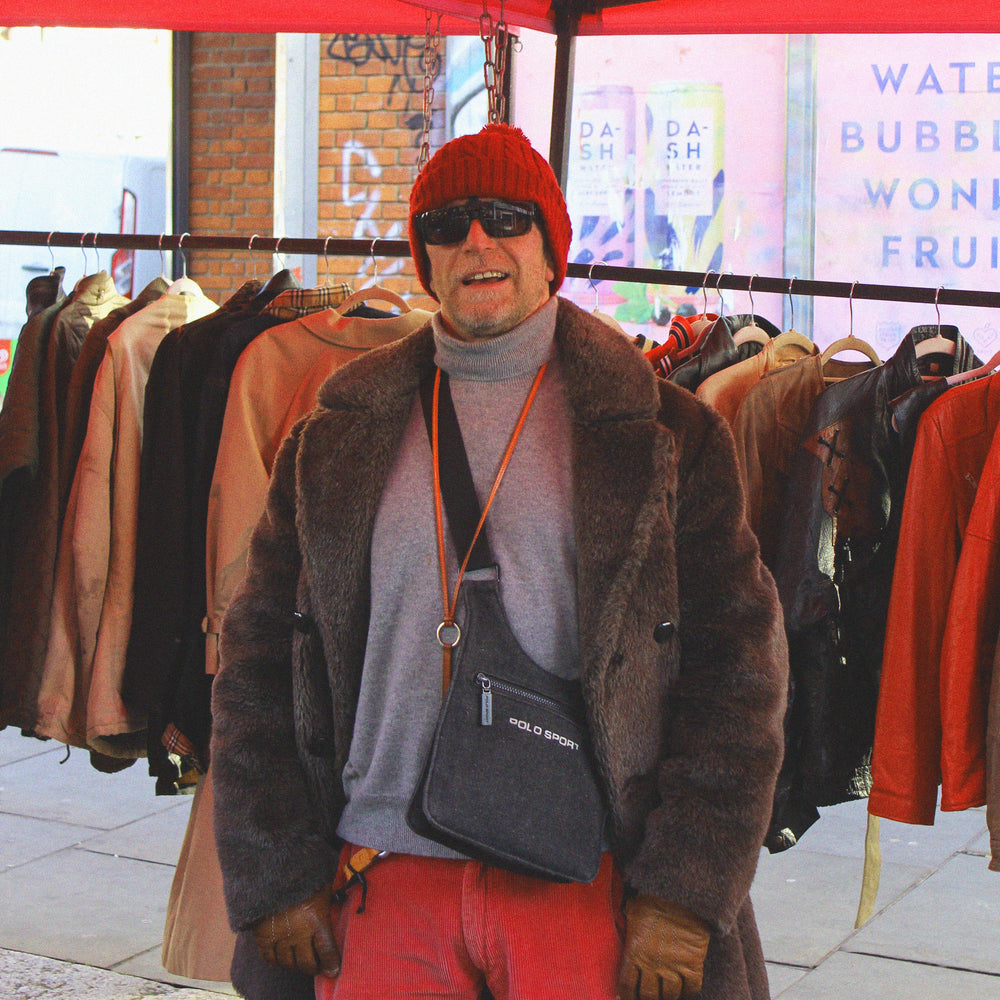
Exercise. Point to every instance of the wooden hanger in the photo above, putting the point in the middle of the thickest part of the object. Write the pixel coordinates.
(751, 333)
(182, 285)
(791, 337)
(934, 345)
(849, 343)
(370, 294)
(938, 344)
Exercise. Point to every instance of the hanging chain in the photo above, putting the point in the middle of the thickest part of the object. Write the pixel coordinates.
(431, 60)
(494, 38)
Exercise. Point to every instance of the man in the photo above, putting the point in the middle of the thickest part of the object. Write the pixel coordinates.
(625, 561)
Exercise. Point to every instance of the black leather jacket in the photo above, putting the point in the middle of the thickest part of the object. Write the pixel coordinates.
(834, 573)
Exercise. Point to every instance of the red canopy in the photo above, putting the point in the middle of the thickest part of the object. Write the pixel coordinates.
(613, 17)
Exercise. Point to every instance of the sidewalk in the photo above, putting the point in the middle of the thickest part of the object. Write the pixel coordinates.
(86, 861)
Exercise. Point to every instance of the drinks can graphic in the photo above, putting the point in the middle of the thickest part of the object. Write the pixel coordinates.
(601, 176)
(683, 177)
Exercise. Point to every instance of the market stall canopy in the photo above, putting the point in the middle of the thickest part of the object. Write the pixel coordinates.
(461, 17)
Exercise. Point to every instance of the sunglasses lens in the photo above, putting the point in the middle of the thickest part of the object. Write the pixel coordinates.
(502, 219)
(499, 219)
(444, 225)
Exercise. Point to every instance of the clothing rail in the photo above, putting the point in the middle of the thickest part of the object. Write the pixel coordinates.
(342, 247)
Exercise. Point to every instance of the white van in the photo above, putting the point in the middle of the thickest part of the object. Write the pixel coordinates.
(69, 193)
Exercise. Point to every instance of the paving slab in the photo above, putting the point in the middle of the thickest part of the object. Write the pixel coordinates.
(44, 786)
(950, 919)
(78, 906)
(780, 977)
(841, 830)
(24, 839)
(980, 846)
(806, 903)
(153, 838)
(846, 976)
(14, 746)
(147, 965)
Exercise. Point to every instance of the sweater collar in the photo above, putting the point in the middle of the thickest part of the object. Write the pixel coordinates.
(607, 378)
(518, 352)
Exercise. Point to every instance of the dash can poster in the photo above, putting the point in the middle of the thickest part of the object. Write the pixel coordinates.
(602, 176)
(684, 176)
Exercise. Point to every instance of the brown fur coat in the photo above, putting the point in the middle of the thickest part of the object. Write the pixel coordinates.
(686, 718)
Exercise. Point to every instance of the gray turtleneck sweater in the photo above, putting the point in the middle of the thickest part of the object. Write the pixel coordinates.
(530, 533)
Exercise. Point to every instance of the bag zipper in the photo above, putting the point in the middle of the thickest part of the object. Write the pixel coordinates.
(488, 683)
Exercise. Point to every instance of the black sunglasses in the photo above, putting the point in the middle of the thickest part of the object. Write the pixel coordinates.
(499, 219)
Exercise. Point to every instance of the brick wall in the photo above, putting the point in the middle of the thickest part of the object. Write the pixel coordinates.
(232, 153)
(370, 128)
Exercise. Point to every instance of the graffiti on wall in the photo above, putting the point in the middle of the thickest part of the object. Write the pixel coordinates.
(402, 56)
(400, 60)
(356, 157)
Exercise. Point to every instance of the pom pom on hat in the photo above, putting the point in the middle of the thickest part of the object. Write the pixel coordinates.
(497, 162)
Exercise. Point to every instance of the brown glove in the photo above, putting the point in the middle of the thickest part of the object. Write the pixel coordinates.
(301, 937)
(665, 947)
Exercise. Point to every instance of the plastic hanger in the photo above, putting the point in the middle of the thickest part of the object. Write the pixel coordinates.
(938, 344)
(87, 272)
(986, 369)
(183, 285)
(750, 332)
(849, 343)
(602, 316)
(97, 253)
(83, 250)
(791, 337)
(699, 324)
(326, 262)
(52, 256)
(163, 258)
(372, 293)
(369, 294)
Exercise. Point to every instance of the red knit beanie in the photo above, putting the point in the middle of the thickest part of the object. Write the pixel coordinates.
(498, 162)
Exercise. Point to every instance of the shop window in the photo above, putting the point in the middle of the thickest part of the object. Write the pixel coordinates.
(83, 148)
(843, 157)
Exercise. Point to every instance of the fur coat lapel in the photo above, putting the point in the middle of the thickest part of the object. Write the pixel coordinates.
(622, 473)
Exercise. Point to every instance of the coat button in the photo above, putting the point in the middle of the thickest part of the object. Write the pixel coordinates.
(663, 631)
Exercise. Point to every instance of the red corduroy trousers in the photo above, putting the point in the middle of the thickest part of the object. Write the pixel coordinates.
(434, 928)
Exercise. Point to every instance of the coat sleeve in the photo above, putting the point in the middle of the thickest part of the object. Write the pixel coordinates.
(271, 848)
(906, 759)
(968, 647)
(723, 731)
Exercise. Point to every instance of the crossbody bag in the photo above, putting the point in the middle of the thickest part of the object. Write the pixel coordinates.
(510, 777)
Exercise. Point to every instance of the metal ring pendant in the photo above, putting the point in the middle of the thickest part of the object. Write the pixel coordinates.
(452, 629)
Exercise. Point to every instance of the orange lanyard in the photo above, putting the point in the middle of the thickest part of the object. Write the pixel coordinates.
(448, 632)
